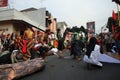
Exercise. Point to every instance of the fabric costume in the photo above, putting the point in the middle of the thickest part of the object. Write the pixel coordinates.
(24, 48)
(27, 45)
(93, 53)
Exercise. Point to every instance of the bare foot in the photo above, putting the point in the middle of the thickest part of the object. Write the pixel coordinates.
(79, 59)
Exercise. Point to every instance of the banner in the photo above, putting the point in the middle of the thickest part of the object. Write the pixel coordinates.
(3, 3)
(91, 27)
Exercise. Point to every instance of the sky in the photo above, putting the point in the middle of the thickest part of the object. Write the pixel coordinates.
(73, 12)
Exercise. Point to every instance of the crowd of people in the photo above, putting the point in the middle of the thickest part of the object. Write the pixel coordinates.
(15, 47)
(105, 43)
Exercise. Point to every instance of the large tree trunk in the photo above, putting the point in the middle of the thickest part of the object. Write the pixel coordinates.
(20, 69)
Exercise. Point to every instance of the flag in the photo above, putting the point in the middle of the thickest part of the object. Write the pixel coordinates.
(91, 27)
(3, 3)
(116, 1)
(114, 16)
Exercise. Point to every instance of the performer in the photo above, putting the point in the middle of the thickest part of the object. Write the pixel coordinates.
(93, 53)
(28, 42)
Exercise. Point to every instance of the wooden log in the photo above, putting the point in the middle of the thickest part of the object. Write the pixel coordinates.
(20, 69)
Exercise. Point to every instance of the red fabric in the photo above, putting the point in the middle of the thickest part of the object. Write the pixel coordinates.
(113, 28)
(114, 16)
(55, 43)
(36, 48)
(3, 3)
(116, 35)
(24, 48)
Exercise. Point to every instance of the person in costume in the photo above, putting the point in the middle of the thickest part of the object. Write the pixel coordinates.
(28, 42)
(93, 52)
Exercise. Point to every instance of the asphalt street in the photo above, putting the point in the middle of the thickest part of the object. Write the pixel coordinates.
(70, 69)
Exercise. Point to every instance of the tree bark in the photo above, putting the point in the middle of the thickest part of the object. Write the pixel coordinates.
(20, 69)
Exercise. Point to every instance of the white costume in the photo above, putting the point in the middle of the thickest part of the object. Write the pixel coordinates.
(55, 51)
(94, 56)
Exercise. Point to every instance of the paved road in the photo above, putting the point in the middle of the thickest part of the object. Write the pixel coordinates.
(69, 69)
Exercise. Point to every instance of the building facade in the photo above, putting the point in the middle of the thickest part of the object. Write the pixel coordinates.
(12, 20)
(62, 27)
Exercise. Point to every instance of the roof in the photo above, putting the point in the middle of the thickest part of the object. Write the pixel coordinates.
(29, 9)
(38, 16)
(12, 14)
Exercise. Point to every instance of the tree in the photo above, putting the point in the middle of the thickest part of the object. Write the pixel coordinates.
(75, 29)
(116, 1)
(82, 29)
